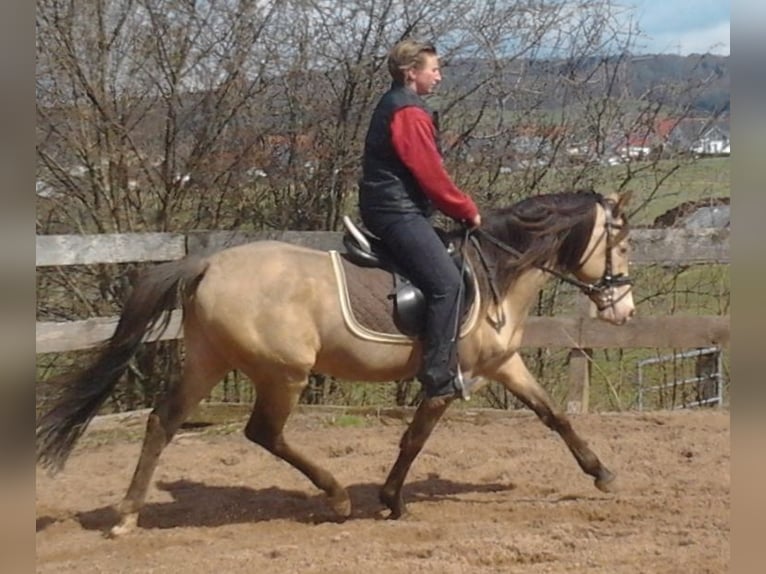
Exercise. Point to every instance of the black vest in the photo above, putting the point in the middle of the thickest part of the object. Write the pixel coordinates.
(386, 184)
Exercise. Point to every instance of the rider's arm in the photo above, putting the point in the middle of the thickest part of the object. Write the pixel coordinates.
(412, 135)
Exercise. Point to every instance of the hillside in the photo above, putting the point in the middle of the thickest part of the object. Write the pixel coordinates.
(701, 81)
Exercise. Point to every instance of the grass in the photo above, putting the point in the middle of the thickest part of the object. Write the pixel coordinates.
(657, 186)
(669, 184)
(348, 421)
(693, 290)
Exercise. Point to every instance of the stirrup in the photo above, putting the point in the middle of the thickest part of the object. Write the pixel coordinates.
(464, 385)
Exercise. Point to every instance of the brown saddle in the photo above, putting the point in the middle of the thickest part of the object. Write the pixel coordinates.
(372, 277)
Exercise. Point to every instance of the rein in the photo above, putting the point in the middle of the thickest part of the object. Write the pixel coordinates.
(607, 281)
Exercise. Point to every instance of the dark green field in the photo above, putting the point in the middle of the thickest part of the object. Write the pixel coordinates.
(700, 179)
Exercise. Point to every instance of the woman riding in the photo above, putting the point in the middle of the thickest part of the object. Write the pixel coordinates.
(403, 182)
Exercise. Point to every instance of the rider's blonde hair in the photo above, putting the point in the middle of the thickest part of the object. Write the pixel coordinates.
(406, 55)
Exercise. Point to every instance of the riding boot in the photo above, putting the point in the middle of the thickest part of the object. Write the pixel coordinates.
(440, 374)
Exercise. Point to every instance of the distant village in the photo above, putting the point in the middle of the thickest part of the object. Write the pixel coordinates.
(523, 148)
(665, 138)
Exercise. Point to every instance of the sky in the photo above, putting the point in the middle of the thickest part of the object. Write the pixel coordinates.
(682, 27)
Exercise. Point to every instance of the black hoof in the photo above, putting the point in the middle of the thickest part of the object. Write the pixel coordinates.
(398, 514)
(605, 482)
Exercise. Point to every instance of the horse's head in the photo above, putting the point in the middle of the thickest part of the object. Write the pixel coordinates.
(604, 264)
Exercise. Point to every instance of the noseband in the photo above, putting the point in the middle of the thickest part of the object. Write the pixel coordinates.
(601, 292)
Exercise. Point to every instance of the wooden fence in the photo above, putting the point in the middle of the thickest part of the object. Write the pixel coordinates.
(577, 333)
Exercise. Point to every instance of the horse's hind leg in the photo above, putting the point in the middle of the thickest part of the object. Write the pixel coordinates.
(273, 404)
(202, 370)
(518, 380)
(416, 435)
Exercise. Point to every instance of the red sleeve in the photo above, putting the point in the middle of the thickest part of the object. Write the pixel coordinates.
(413, 138)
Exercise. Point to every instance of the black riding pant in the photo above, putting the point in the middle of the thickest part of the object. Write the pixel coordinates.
(419, 251)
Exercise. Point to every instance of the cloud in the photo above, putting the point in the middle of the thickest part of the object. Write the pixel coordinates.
(673, 16)
(682, 26)
(714, 39)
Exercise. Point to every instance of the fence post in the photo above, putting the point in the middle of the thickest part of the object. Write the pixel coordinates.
(578, 389)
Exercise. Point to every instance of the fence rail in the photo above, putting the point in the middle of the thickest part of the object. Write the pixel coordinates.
(665, 246)
(650, 246)
(676, 331)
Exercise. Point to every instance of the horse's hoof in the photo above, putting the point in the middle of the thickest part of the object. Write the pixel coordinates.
(341, 504)
(126, 525)
(398, 514)
(394, 503)
(606, 482)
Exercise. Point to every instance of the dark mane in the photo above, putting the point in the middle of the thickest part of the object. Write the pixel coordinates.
(545, 229)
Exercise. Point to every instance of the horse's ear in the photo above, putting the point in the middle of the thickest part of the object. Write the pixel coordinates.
(622, 201)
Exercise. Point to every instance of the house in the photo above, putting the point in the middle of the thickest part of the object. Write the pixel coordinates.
(713, 141)
(702, 136)
(635, 146)
(643, 141)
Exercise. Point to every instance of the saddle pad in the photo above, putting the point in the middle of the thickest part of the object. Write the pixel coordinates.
(364, 294)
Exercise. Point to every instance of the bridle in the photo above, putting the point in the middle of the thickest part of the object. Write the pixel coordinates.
(601, 292)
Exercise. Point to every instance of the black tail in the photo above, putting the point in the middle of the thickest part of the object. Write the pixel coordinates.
(81, 394)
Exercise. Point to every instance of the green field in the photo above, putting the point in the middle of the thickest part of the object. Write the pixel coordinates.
(671, 183)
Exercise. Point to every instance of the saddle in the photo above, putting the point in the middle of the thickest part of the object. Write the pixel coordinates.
(409, 304)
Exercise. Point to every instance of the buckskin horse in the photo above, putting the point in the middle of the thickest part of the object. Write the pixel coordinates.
(275, 312)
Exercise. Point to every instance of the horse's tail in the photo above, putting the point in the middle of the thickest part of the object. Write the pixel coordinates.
(81, 394)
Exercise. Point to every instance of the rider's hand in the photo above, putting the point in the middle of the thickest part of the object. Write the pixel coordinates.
(474, 222)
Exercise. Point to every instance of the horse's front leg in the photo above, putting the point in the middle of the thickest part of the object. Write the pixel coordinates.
(426, 416)
(515, 376)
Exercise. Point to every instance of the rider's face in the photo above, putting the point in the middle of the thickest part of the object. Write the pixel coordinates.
(425, 77)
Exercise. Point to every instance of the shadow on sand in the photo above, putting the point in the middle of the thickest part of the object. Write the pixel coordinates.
(196, 504)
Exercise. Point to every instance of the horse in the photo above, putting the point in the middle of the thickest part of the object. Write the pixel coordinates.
(272, 310)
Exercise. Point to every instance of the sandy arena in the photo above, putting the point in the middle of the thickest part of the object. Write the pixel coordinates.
(489, 493)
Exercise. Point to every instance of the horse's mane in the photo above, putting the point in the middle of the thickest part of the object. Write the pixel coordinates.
(545, 229)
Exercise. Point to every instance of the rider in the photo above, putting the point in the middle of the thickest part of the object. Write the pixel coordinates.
(403, 182)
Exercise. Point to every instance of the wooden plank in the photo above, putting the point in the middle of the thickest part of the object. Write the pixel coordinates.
(677, 332)
(552, 332)
(679, 246)
(57, 337)
(665, 246)
(108, 248)
(211, 241)
(580, 359)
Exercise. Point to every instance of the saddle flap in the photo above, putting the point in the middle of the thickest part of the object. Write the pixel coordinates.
(366, 250)
(384, 307)
(409, 307)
